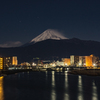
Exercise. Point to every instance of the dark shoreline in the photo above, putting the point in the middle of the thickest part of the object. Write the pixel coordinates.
(89, 72)
(8, 72)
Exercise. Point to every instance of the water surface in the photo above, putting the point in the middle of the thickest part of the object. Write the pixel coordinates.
(49, 86)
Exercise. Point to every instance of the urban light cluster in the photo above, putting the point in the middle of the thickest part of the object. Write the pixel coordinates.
(85, 61)
(78, 61)
(6, 62)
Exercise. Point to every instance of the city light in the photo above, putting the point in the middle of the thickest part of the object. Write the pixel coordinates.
(33, 64)
(94, 64)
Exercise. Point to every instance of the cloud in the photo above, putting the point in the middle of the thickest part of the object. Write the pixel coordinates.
(61, 32)
(11, 44)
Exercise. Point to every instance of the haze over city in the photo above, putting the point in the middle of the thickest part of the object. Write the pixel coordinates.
(21, 21)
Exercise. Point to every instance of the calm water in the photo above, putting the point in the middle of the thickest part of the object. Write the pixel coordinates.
(49, 86)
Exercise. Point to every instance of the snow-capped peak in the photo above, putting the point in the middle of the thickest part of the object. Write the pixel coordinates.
(48, 34)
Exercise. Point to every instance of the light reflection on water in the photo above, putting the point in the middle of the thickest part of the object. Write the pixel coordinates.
(46, 74)
(66, 96)
(49, 86)
(1, 89)
(53, 93)
(80, 91)
(94, 93)
(53, 78)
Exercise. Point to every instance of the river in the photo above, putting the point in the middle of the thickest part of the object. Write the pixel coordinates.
(49, 85)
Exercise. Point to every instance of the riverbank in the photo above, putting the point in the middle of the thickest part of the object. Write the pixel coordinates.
(89, 72)
(8, 72)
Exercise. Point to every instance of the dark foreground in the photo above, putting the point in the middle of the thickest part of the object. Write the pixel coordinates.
(49, 85)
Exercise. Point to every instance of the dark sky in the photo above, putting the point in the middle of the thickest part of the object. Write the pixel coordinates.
(22, 20)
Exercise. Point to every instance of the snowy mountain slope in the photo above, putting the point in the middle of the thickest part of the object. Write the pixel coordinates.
(48, 34)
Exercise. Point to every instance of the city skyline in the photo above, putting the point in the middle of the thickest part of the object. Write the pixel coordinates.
(21, 21)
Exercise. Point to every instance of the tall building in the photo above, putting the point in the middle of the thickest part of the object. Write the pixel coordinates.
(9, 61)
(1, 63)
(82, 61)
(88, 61)
(14, 60)
(95, 60)
(74, 60)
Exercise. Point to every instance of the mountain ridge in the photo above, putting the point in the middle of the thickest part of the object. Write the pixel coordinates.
(49, 49)
(48, 34)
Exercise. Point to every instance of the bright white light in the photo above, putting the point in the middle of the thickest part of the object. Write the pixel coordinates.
(94, 64)
(53, 65)
(46, 66)
(33, 64)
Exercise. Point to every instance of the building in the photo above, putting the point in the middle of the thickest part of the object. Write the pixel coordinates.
(1, 63)
(59, 63)
(82, 61)
(14, 60)
(25, 64)
(6, 62)
(95, 61)
(74, 60)
(66, 61)
(88, 61)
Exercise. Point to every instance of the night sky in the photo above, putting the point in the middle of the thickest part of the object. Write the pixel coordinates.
(23, 20)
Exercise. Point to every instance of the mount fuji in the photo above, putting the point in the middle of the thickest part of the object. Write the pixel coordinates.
(51, 45)
(47, 34)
